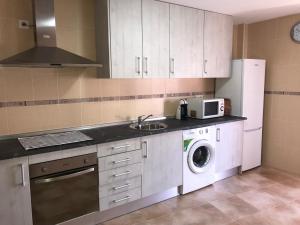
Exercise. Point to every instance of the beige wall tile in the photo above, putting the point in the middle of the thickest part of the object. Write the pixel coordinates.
(170, 106)
(45, 83)
(110, 112)
(69, 115)
(24, 119)
(2, 86)
(159, 85)
(86, 43)
(69, 83)
(128, 87)
(91, 113)
(3, 122)
(143, 86)
(158, 107)
(110, 87)
(127, 110)
(90, 84)
(172, 85)
(144, 107)
(18, 84)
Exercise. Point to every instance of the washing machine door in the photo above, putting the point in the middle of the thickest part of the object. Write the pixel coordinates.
(201, 156)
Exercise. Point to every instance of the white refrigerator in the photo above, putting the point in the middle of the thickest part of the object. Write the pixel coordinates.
(245, 88)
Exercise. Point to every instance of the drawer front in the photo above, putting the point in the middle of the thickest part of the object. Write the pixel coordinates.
(120, 186)
(120, 160)
(119, 174)
(120, 199)
(119, 147)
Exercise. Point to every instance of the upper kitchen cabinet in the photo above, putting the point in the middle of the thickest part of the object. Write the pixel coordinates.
(125, 30)
(156, 38)
(218, 33)
(119, 38)
(186, 41)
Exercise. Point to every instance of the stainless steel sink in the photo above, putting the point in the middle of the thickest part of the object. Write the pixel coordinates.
(149, 126)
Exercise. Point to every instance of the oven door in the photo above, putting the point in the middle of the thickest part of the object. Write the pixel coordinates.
(63, 196)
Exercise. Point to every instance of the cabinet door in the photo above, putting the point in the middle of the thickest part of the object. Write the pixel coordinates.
(15, 203)
(156, 40)
(229, 146)
(218, 32)
(186, 41)
(162, 167)
(126, 38)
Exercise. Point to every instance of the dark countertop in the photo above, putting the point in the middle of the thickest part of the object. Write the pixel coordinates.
(11, 148)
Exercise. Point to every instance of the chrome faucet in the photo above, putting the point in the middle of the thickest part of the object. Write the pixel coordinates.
(141, 120)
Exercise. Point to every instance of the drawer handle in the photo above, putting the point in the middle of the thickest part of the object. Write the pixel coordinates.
(121, 187)
(122, 199)
(119, 147)
(120, 161)
(122, 174)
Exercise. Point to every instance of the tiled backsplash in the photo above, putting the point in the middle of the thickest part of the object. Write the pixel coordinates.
(43, 99)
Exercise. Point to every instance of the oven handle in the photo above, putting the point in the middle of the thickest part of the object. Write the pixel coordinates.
(64, 177)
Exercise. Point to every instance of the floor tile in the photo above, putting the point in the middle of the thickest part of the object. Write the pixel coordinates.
(260, 200)
(234, 208)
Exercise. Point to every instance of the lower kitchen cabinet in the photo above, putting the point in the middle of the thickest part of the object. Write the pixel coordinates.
(15, 202)
(162, 165)
(229, 146)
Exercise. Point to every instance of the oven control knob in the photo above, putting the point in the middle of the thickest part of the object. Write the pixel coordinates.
(222, 108)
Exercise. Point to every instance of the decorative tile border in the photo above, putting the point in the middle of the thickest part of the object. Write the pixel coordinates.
(99, 99)
(282, 93)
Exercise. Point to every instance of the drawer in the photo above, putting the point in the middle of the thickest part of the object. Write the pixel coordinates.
(119, 160)
(119, 174)
(120, 199)
(119, 147)
(120, 186)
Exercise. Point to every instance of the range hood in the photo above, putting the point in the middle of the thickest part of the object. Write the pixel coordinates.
(46, 53)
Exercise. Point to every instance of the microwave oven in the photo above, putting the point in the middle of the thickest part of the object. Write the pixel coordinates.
(205, 108)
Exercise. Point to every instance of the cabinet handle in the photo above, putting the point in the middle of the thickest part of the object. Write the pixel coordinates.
(120, 161)
(22, 169)
(119, 147)
(205, 63)
(218, 135)
(121, 187)
(146, 149)
(122, 199)
(138, 65)
(172, 65)
(146, 65)
(122, 174)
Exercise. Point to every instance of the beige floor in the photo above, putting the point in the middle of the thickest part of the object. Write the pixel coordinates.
(259, 197)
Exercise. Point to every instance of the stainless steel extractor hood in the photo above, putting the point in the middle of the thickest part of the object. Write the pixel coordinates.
(46, 53)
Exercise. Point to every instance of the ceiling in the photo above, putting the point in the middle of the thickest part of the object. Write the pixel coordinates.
(246, 11)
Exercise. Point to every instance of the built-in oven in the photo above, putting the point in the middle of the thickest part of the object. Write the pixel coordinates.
(64, 189)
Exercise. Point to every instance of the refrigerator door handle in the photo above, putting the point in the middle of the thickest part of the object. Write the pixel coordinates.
(255, 129)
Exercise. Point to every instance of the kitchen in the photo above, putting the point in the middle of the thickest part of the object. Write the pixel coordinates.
(219, 82)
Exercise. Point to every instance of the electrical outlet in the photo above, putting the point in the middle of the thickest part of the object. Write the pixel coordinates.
(24, 24)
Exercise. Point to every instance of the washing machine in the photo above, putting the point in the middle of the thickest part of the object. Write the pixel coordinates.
(198, 158)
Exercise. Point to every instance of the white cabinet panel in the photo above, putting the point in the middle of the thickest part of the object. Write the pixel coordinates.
(156, 39)
(229, 146)
(218, 32)
(252, 149)
(162, 168)
(126, 38)
(186, 41)
(253, 90)
(15, 203)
